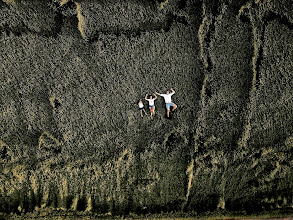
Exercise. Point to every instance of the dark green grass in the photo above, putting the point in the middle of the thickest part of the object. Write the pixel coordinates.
(71, 135)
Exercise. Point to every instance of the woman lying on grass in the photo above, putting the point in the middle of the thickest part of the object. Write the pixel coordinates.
(151, 101)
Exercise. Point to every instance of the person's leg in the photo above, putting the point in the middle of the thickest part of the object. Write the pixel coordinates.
(168, 109)
(145, 112)
(174, 107)
(154, 111)
(151, 113)
(141, 113)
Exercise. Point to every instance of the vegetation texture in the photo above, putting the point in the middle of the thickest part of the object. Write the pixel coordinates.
(72, 138)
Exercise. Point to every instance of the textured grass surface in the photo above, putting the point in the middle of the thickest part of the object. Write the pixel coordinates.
(71, 136)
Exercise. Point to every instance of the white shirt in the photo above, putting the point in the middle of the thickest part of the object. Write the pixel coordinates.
(140, 105)
(167, 97)
(151, 102)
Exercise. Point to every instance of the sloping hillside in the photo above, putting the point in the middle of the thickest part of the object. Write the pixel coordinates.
(71, 135)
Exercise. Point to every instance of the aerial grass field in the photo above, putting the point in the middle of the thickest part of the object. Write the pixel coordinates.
(71, 136)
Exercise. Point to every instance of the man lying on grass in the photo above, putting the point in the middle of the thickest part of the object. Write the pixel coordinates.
(168, 100)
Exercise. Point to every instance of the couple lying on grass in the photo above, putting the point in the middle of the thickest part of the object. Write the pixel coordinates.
(151, 101)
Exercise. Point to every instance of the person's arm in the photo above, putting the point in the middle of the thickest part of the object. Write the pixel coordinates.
(158, 93)
(155, 96)
(146, 95)
(172, 91)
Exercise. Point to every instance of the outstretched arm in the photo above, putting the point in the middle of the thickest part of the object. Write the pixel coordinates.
(155, 96)
(172, 90)
(157, 93)
(146, 95)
